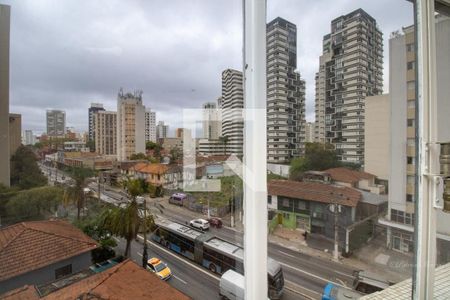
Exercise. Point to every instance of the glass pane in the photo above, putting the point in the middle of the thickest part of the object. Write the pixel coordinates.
(340, 113)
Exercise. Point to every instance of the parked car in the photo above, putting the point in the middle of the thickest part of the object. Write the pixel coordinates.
(199, 224)
(160, 268)
(215, 222)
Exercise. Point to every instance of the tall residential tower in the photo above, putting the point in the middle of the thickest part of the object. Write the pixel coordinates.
(285, 94)
(232, 105)
(95, 107)
(130, 125)
(351, 68)
(150, 125)
(56, 123)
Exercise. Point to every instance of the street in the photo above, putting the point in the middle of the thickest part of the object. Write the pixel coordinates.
(305, 275)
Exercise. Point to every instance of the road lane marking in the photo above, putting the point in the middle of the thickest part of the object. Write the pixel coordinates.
(287, 254)
(310, 274)
(298, 288)
(176, 277)
(179, 258)
(140, 254)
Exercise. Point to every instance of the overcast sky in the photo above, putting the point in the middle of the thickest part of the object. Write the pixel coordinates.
(66, 54)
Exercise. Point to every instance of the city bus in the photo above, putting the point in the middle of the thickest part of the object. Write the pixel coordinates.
(211, 252)
(177, 199)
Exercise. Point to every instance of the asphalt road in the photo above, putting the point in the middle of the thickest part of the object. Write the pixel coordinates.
(191, 279)
(304, 274)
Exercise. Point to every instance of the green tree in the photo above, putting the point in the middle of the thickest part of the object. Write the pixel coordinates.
(151, 145)
(91, 145)
(138, 156)
(33, 204)
(318, 157)
(125, 222)
(175, 153)
(91, 227)
(76, 194)
(25, 172)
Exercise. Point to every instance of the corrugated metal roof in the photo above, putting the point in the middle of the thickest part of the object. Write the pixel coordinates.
(402, 290)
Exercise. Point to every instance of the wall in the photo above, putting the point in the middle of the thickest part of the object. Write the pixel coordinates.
(4, 94)
(377, 132)
(46, 274)
(282, 170)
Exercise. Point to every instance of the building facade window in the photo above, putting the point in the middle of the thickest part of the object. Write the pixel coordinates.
(63, 271)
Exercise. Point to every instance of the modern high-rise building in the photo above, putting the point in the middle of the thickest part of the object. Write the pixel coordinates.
(211, 121)
(28, 137)
(319, 126)
(95, 107)
(150, 125)
(105, 127)
(309, 132)
(15, 132)
(130, 125)
(232, 106)
(56, 123)
(285, 94)
(162, 130)
(4, 94)
(402, 92)
(351, 68)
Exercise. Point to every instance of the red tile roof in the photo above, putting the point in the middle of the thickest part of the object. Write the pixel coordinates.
(29, 246)
(122, 282)
(348, 175)
(150, 168)
(314, 191)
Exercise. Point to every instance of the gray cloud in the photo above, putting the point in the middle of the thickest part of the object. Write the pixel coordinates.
(67, 54)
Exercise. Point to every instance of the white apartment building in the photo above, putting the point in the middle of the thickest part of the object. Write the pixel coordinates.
(232, 105)
(106, 132)
(162, 131)
(309, 132)
(150, 125)
(211, 124)
(56, 123)
(28, 138)
(285, 94)
(401, 206)
(350, 70)
(130, 125)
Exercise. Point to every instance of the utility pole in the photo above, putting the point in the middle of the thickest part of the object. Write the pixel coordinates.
(336, 232)
(209, 213)
(232, 207)
(144, 253)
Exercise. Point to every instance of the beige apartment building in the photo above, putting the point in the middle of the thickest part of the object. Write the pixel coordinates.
(130, 125)
(351, 69)
(105, 132)
(4, 94)
(377, 132)
(401, 206)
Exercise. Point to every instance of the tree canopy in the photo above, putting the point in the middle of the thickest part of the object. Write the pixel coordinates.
(318, 157)
(138, 156)
(34, 204)
(25, 172)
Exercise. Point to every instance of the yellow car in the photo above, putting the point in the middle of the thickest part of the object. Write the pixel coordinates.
(158, 267)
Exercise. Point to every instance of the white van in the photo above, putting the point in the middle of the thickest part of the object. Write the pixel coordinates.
(232, 286)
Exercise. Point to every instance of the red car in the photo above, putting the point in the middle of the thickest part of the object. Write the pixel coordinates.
(215, 222)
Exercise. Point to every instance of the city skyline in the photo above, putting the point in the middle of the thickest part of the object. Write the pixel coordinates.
(106, 51)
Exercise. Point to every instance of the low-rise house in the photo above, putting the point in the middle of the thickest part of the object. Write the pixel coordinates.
(357, 179)
(166, 176)
(41, 251)
(122, 281)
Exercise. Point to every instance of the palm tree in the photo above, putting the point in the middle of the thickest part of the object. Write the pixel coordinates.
(125, 221)
(76, 194)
